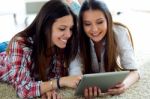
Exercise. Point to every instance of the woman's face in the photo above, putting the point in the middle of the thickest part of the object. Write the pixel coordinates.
(62, 31)
(94, 24)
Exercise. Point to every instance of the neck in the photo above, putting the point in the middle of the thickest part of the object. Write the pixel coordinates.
(97, 44)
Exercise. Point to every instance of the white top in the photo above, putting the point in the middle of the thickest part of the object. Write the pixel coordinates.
(126, 54)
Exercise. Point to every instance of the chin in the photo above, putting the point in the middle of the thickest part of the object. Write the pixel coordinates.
(96, 40)
(61, 47)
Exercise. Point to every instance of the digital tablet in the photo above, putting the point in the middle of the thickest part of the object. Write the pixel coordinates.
(102, 80)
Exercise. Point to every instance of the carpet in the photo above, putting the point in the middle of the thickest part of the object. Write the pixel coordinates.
(140, 90)
(139, 26)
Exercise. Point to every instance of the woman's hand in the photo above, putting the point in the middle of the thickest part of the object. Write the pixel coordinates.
(95, 91)
(70, 81)
(51, 95)
(128, 81)
(92, 91)
(117, 89)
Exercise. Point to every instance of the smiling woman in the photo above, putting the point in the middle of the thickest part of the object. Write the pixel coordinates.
(37, 58)
(104, 47)
(62, 31)
(95, 27)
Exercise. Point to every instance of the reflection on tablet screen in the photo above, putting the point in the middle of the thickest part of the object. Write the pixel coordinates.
(102, 80)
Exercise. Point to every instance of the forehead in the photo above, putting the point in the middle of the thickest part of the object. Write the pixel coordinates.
(93, 14)
(66, 20)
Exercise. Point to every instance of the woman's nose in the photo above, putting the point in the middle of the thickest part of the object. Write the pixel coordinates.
(94, 28)
(68, 34)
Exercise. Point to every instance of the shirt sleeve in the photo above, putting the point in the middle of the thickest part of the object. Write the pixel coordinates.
(75, 67)
(19, 60)
(126, 51)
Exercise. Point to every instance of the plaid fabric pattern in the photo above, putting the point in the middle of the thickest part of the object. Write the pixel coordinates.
(15, 69)
(16, 66)
(57, 67)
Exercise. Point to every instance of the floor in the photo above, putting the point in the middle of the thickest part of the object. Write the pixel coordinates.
(138, 23)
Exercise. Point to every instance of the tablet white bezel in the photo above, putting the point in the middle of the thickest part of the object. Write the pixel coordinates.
(102, 80)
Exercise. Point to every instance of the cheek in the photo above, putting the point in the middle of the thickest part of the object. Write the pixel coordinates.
(54, 36)
(105, 27)
(86, 29)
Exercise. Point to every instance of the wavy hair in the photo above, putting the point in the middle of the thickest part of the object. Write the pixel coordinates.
(40, 30)
(111, 50)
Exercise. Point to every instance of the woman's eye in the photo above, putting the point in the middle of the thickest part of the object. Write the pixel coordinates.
(87, 24)
(100, 22)
(61, 29)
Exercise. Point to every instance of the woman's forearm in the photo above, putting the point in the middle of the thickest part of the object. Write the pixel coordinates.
(68, 81)
(131, 79)
(51, 85)
(47, 86)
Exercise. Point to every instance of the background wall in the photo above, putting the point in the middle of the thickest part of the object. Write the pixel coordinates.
(135, 13)
(12, 17)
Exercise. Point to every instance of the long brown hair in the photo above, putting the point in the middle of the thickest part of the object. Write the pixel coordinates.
(40, 30)
(111, 53)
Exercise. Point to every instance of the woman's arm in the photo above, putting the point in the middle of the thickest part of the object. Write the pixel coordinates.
(131, 79)
(128, 81)
(68, 81)
(127, 60)
(125, 48)
(18, 63)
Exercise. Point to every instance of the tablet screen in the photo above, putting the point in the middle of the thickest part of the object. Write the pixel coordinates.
(102, 80)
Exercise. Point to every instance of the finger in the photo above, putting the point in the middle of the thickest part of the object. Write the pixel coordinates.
(80, 77)
(76, 83)
(59, 97)
(86, 92)
(49, 95)
(78, 80)
(90, 91)
(54, 95)
(99, 91)
(95, 91)
(121, 90)
(116, 91)
(113, 93)
(43, 96)
(119, 85)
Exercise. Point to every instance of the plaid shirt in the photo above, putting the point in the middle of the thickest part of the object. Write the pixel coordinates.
(15, 69)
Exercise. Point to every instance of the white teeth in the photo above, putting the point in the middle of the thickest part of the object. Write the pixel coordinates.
(64, 40)
(95, 34)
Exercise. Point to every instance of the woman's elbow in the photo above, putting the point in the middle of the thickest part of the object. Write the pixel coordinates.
(23, 93)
